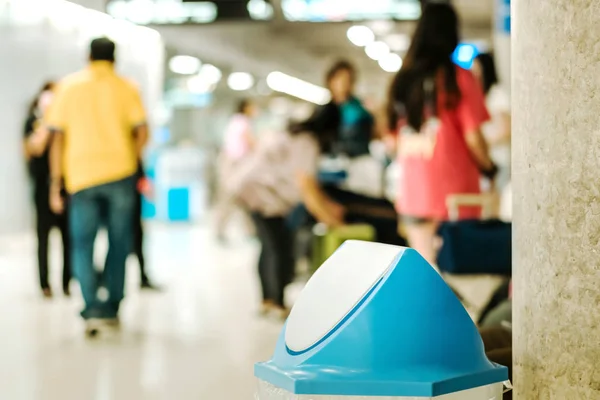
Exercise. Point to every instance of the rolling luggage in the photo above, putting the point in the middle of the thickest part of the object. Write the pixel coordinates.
(327, 240)
(475, 246)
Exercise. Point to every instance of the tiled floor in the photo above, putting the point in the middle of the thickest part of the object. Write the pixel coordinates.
(198, 340)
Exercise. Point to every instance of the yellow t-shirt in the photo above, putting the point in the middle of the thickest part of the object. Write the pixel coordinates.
(97, 111)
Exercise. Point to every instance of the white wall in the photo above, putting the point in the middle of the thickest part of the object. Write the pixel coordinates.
(47, 39)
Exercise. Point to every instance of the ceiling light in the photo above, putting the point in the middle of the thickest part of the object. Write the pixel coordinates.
(197, 85)
(283, 83)
(391, 62)
(201, 13)
(210, 73)
(184, 65)
(360, 35)
(377, 50)
(294, 10)
(240, 81)
(260, 9)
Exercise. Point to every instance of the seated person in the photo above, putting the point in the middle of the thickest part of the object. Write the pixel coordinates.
(280, 174)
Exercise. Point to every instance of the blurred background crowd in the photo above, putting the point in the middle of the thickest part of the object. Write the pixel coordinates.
(280, 124)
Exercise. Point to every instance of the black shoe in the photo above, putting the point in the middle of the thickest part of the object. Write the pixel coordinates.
(147, 285)
(47, 293)
(94, 327)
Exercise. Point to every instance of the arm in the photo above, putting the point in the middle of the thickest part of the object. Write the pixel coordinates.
(305, 160)
(55, 125)
(136, 118)
(140, 134)
(37, 143)
(56, 172)
(472, 113)
(478, 148)
(318, 203)
(56, 155)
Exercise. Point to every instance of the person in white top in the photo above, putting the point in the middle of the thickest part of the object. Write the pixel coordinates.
(497, 130)
(238, 143)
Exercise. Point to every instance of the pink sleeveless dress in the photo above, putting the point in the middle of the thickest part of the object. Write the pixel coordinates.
(427, 181)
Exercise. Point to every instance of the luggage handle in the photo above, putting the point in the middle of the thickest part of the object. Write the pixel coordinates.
(487, 201)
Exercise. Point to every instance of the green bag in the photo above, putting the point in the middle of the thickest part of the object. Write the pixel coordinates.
(327, 240)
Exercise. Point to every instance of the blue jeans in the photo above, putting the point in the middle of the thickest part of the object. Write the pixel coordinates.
(111, 205)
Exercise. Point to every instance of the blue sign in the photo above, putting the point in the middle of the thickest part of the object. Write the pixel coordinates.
(503, 22)
(464, 55)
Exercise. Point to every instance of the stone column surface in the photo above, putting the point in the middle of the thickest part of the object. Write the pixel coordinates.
(556, 199)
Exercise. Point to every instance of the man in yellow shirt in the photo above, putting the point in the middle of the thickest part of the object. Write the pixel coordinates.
(99, 127)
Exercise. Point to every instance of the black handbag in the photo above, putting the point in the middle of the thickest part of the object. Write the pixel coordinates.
(475, 246)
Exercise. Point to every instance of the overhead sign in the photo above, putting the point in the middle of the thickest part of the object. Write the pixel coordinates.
(176, 12)
(503, 23)
(350, 10)
(464, 55)
(145, 12)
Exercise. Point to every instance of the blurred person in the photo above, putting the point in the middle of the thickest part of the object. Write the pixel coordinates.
(357, 125)
(36, 145)
(283, 173)
(100, 130)
(142, 189)
(238, 142)
(497, 130)
(437, 109)
(271, 182)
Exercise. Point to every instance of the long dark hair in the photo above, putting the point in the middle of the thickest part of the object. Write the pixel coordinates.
(34, 103)
(323, 125)
(428, 58)
(488, 70)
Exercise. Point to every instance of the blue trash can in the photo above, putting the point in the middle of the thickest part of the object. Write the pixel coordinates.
(377, 321)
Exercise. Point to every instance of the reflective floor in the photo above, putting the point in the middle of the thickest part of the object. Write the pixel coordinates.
(197, 340)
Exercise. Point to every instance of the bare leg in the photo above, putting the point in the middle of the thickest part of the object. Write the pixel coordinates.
(421, 237)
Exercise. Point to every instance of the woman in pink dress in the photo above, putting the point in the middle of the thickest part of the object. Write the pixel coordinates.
(436, 109)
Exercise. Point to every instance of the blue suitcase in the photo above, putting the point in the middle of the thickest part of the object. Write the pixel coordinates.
(475, 246)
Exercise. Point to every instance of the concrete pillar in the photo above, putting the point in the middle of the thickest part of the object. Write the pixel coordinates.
(556, 178)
